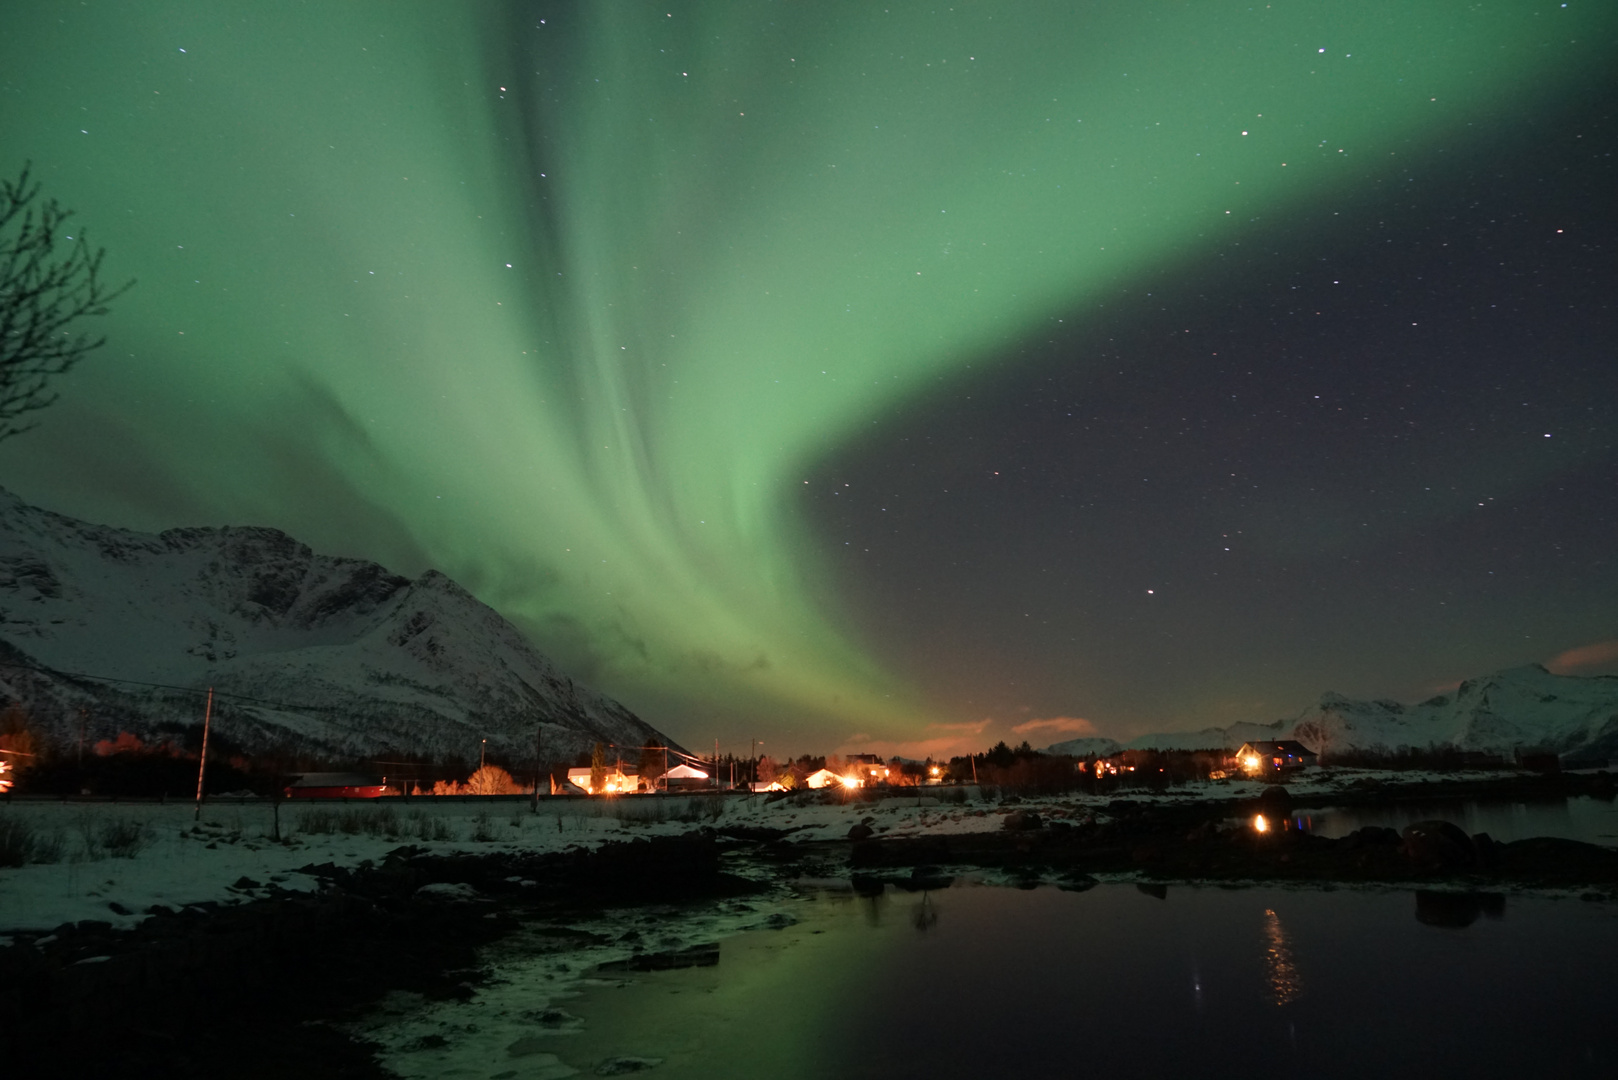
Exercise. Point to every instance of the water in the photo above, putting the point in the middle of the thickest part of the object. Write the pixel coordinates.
(980, 981)
(1581, 817)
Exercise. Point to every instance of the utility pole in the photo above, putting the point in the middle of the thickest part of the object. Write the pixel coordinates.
(483, 751)
(539, 761)
(716, 763)
(202, 759)
(754, 779)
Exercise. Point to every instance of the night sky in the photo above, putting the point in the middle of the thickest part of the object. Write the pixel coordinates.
(854, 377)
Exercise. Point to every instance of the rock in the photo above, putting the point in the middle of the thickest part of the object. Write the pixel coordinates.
(1438, 844)
(867, 885)
(1373, 836)
(1486, 850)
(1207, 830)
(622, 1066)
(1153, 889)
(860, 831)
(444, 890)
(1021, 821)
(1276, 797)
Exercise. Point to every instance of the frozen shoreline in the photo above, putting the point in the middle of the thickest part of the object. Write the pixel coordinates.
(116, 860)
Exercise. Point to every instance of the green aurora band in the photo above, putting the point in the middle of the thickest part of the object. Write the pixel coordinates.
(568, 300)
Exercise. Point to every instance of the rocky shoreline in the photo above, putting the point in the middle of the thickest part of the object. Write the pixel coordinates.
(254, 989)
(262, 987)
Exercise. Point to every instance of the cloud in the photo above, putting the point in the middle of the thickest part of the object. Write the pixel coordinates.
(941, 741)
(1066, 724)
(1581, 658)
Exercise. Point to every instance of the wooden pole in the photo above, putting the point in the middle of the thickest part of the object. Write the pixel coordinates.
(539, 760)
(202, 759)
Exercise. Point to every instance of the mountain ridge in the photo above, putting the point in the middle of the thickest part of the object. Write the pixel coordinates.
(336, 656)
(1521, 708)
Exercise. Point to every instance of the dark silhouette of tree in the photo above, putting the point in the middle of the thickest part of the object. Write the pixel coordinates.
(48, 282)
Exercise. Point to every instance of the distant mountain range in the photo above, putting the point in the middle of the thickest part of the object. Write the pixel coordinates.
(1517, 709)
(326, 656)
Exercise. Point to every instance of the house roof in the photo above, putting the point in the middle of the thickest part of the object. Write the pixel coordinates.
(1279, 746)
(628, 771)
(685, 772)
(334, 780)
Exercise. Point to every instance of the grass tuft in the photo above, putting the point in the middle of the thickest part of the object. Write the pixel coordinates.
(21, 843)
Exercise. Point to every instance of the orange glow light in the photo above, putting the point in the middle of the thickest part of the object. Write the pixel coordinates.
(1259, 824)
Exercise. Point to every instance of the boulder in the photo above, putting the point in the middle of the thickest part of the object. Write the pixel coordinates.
(1276, 797)
(1438, 844)
(860, 831)
(1021, 821)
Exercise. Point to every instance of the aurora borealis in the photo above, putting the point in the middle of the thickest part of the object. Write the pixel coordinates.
(863, 376)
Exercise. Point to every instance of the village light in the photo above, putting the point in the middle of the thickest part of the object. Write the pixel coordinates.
(1259, 824)
(1251, 762)
(850, 782)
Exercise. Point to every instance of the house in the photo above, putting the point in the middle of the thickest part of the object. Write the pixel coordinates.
(1268, 758)
(826, 778)
(616, 780)
(685, 777)
(335, 785)
(868, 768)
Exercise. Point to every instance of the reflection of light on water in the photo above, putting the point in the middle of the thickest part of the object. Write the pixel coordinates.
(1279, 969)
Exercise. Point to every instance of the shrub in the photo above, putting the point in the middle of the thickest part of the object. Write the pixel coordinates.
(492, 780)
(427, 826)
(21, 843)
(483, 828)
(124, 839)
(371, 821)
(703, 807)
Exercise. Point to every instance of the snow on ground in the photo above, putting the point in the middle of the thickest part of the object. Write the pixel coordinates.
(112, 861)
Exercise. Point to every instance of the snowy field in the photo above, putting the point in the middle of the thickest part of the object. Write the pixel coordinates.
(112, 861)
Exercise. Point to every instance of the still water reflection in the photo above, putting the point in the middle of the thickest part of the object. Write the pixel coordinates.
(1582, 817)
(977, 981)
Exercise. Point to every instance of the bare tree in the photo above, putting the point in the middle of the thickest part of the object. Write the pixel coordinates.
(48, 282)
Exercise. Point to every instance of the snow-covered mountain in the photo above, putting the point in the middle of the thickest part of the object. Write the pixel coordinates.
(328, 655)
(1517, 709)
(1086, 746)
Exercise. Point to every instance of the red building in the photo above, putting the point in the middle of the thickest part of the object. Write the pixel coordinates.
(335, 785)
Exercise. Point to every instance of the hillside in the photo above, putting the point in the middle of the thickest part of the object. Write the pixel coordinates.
(324, 655)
